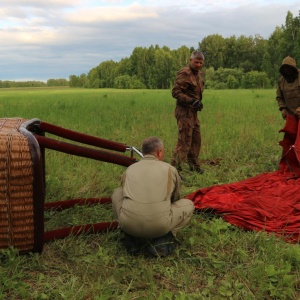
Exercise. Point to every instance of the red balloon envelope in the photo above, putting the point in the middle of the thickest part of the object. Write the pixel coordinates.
(269, 201)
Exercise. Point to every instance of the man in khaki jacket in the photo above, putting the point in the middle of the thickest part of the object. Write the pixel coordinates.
(288, 88)
(147, 205)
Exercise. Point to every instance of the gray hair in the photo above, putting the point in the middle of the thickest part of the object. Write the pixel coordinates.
(197, 55)
(151, 144)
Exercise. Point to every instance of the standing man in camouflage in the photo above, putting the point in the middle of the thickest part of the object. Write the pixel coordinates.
(187, 91)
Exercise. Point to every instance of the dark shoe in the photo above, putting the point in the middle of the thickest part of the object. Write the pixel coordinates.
(162, 246)
(196, 169)
(132, 244)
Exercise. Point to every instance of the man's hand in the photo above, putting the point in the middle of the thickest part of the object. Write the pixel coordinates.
(197, 104)
(284, 113)
(297, 112)
(200, 106)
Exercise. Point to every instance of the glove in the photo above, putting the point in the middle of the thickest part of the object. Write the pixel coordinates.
(297, 112)
(284, 113)
(200, 106)
(197, 104)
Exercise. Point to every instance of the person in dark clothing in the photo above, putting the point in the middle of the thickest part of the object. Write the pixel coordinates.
(288, 88)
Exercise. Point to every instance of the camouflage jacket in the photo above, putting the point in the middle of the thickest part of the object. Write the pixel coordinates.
(188, 86)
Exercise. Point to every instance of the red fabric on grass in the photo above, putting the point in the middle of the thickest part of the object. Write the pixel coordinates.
(269, 201)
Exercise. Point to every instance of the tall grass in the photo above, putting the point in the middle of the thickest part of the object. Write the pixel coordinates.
(215, 260)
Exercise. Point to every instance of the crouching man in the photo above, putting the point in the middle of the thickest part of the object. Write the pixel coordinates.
(147, 206)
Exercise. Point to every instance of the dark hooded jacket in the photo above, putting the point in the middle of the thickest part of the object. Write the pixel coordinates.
(288, 86)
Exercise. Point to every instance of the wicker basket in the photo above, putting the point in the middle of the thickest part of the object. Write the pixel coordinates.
(22, 181)
(21, 187)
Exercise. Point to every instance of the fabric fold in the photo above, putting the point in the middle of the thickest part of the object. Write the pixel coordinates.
(269, 201)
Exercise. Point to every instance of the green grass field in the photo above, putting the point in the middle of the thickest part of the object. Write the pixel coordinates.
(215, 260)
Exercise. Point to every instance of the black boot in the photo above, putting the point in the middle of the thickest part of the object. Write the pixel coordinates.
(132, 244)
(196, 169)
(162, 246)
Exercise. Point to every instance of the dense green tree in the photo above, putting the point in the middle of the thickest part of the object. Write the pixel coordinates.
(255, 80)
(15, 84)
(93, 79)
(123, 82)
(125, 67)
(232, 82)
(57, 82)
(136, 83)
(83, 80)
(73, 81)
(227, 61)
(140, 64)
(128, 82)
(232, 62)
(214, 47)
(259, 52)
(224, 78)
(107, 72)
(230, 54)
(181, 57)
(245, 48)
(209, 77)
(276, 53)
(291, 32)
(163, 68)
(6, 84)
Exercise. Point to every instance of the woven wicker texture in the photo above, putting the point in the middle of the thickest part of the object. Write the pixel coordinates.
(16, 187)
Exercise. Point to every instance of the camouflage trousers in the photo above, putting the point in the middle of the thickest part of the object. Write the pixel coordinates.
(188, 144)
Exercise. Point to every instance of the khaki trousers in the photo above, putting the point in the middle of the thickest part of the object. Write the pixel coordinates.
(180, 215)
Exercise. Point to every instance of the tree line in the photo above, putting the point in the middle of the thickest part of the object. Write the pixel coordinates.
(29, 84)
(234, 62)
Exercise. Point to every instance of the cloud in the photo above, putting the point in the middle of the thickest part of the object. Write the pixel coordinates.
(100, 15)
(57, 38)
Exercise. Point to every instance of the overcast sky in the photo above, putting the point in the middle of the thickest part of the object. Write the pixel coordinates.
(45, 39)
